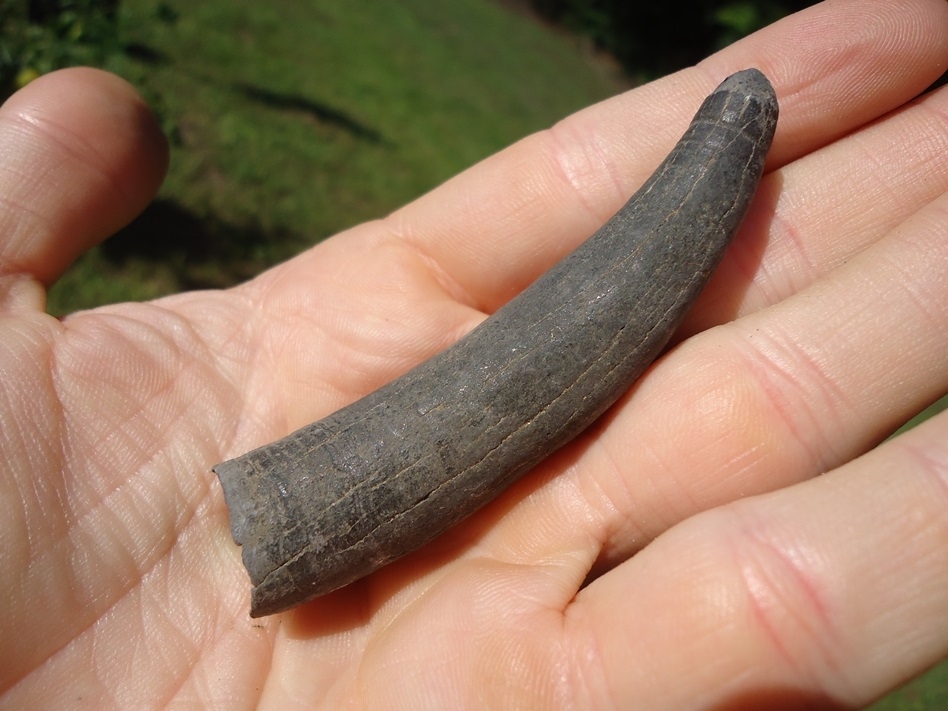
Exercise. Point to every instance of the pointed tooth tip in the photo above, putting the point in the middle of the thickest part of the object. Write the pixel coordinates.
(751, 82)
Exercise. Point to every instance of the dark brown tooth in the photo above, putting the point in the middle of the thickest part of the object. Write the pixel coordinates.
(338, 499)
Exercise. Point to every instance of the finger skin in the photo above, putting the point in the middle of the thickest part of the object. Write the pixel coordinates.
(834, 591)
(335, 501)
(80, 156)
(815, 213)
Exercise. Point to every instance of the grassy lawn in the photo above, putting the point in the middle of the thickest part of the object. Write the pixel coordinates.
(290, 121)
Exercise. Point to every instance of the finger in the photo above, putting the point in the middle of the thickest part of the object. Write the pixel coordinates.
(755, 405)
(492, 230)
(814, 214)
(503, 221)
(835, 590)
(81, 156)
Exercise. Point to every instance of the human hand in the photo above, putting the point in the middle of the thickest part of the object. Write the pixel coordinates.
(721, 574)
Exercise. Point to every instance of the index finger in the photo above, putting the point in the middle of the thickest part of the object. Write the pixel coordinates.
(493, 229)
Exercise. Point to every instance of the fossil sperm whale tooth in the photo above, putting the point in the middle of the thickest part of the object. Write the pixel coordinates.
(339, 498)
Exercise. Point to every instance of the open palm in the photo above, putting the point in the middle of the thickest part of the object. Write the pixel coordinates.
(679, 556)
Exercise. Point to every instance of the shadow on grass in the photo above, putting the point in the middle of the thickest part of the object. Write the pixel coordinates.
(315, 110)
(200, 252)
(146, 54)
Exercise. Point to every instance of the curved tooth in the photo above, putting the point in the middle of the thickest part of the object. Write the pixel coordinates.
(338, 499)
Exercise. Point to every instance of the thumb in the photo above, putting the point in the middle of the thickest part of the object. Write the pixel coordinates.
(101, 156)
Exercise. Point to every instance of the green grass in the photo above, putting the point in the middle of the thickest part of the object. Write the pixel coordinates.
(928, 692)
(292, 120)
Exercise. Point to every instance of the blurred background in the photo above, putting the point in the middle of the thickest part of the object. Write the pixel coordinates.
(291, 120)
